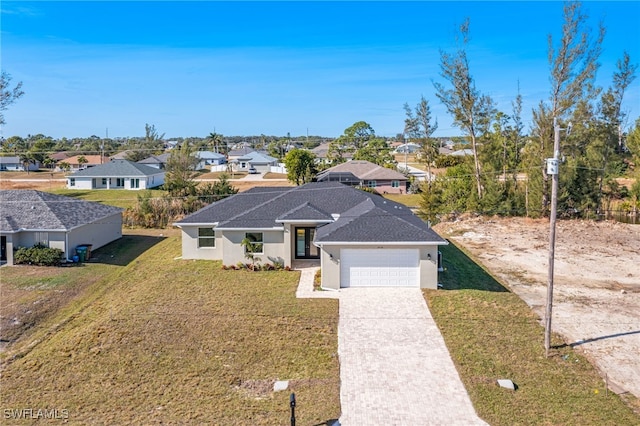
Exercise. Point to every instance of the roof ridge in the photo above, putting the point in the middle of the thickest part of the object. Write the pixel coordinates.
(258, 205)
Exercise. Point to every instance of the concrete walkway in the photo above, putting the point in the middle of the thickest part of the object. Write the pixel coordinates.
(394, 366)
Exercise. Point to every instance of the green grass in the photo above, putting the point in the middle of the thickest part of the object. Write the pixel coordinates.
(409, 200)
(158, 339)
(115, 197)
(492, 334)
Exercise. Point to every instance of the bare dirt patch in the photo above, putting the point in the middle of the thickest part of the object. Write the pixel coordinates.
(596, 282)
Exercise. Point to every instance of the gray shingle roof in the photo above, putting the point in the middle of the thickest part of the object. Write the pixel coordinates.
(362, 216)
(363, 170)
(118, 168)
(36, 210)
(156, 159)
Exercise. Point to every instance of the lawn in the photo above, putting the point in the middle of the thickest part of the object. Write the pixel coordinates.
(492, 334)
(157, 339)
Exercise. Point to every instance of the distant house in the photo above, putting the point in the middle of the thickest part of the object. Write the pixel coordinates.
(156, 161)
(31, 217)
(408, 148)
(117, 174)
(91, 161)
(14, 164)
(322, 150)
(236, 153)
(367, 175)
(261, 161)
(209, 158)
(462, 152)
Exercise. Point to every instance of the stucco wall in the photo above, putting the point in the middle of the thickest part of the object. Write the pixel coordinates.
(233, 251)
(330, 263)
(99, 233)
(190, 248)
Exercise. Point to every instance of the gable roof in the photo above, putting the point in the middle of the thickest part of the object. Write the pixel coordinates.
(156, 159)
(256, 157)
(240, 151)
(208, 155)
(24, 210)
(10, 160)
(348, 214)
(118, 168)
(91, 159)
(363, 170)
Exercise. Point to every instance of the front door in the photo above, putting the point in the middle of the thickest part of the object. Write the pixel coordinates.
(304, 244)
(3, 249)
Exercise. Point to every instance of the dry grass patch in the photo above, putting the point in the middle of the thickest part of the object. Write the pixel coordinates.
(177, 341)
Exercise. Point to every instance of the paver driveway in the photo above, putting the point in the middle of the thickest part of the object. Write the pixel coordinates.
(394, 366)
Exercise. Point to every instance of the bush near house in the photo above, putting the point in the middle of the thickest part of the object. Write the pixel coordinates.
(38, 255)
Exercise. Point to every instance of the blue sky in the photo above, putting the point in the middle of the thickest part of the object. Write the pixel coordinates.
(250, 68)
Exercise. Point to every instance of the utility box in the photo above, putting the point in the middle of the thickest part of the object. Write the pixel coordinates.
(552, 166)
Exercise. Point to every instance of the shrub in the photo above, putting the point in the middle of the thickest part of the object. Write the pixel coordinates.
(38, 255)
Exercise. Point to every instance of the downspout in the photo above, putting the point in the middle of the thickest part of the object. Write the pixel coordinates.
(66, 245)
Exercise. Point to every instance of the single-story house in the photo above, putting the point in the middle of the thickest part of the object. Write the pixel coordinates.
(239, 151)
(261, 161)
(358, 238)
(117, 174)
(462, 152)
(321, 151)
(29, 217)
(408, 148)
(156, 161)
(366, 174)
(90, 161)
(14, 164)
(209, 158)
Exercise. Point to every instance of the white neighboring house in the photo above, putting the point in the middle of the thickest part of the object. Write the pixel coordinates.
(261, 161)
(209, 158)
(117, 174)
(14, 164)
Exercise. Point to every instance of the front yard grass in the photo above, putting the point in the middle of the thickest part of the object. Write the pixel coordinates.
(114, 197)
(492, 334)
(158, 339)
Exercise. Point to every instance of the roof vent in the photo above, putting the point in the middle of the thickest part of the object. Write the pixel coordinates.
(335, 216)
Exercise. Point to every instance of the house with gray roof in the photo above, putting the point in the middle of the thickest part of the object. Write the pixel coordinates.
(366, 175)
(209, 158)
(359, 239)
(14, 164)
(117, 174)
(30, 217)
(259, 160)
(156, 161)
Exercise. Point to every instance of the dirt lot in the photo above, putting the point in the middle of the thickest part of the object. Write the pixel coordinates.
(596, 304)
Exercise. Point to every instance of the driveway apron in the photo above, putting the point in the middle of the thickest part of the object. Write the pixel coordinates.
(394, 366)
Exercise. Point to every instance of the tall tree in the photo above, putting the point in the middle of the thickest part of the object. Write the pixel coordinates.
(419, 129)
(300, 165)
(8, 94)
(471, 110)
(573, 64)
(180, 172)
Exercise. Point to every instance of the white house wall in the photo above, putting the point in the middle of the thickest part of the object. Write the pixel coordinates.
(190, 248)
(273, 247)
(330, 263)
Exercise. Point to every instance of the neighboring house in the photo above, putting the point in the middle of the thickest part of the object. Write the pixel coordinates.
(122, 155)
(322, 150)
(117, 174)
(408, 148)
(59, 156)
(261, 161)
(236, 153)
(366, 174)
(443, 150)
(14, 164)
(156, 161)
(462, 152)
(209, 158)
(91, 161)
(30, 217)
(360, 239)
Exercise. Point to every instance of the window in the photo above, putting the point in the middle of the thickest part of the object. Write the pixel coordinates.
(395, 184)
(255, 238)
(135, 183)
(42, 238)
(371, 184)
(206, 238)
(72, 181)
(120, 182)
(104, 181)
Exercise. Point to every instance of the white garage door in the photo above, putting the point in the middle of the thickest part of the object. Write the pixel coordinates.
(379, 267)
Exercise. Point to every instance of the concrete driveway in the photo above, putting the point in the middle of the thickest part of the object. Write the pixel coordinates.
(394, 366)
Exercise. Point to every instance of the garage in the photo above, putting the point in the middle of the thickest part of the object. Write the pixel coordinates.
(379, 267)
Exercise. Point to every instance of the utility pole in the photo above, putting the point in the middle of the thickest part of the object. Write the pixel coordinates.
(552, 169)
